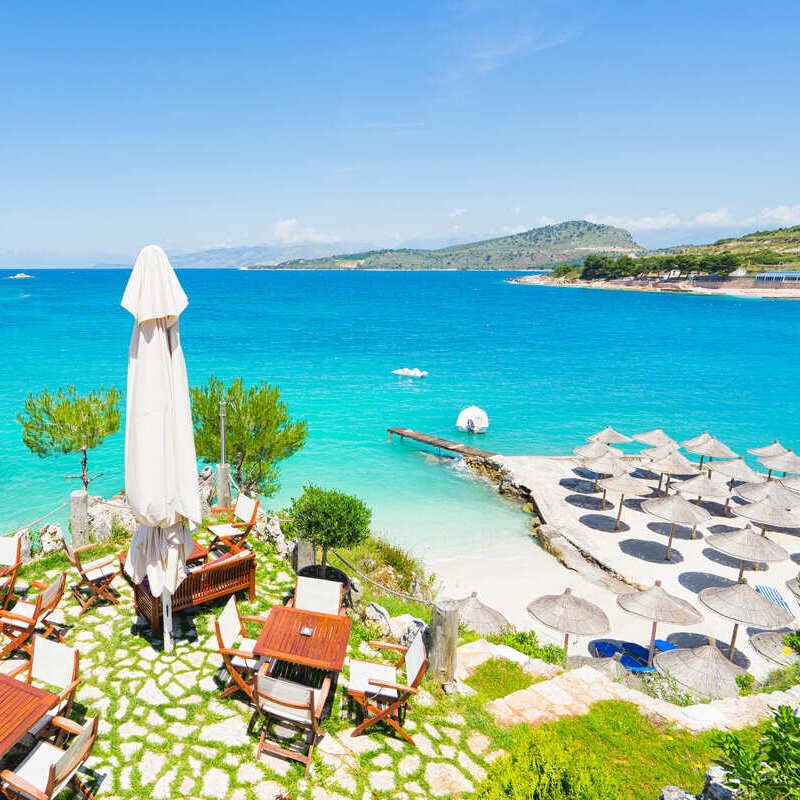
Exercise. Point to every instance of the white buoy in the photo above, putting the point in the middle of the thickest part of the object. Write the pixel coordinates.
(473, 420)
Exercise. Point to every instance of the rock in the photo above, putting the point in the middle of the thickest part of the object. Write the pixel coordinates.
(207, 486)
(675, 793)
(715, 788)
(411, 631)
(104, 514)
(445, 780)
(355, 591)
(379, 617)
(24, 545)
(50, 537)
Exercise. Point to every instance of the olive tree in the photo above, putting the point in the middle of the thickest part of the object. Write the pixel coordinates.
(66, 422)
(329, 518)
(259, 431)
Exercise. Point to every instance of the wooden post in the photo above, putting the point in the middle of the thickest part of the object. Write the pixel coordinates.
(444, 639)
(79, 518)
(303, 554)
(223, 482)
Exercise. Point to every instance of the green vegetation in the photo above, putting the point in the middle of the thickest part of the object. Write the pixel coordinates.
(603, 267)
(329, 518)
(552, 244)
(498, 677)
(66, 422)
(528, 643)
(260, 433)
(779, 680)
(770, 768)
(792, 640)
(746, 683)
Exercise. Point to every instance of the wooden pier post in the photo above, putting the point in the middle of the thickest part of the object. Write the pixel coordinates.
(444, 641)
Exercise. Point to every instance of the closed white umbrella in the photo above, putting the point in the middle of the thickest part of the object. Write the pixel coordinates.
(160, 459)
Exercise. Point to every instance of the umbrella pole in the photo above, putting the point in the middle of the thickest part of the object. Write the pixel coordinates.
(727, 505)
(666, 487)
(660, 478)
(166, 613)
(694, 531)
(733, 642)
(669, 544)
(652, 644)
(566, 643)
(619, 513)
(741, 572)
(769, 475)
(701, 462)
(603, 500)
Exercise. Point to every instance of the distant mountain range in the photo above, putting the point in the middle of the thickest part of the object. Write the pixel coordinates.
(539, 247)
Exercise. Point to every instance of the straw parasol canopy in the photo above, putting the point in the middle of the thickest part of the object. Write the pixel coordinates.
(677, 510)
(703, 486)
(607, 464)
(479, 617)
(748, 546)
(711, 448)
(160, 460)
(655, 438)
(595, 450)
(672, 464)
(608, 436)
(785, 462)
(658, 605)
(570, 615)
(737, 469)
(792, 483)
(768, 515)
(702, 669)
(690, 443)
(657, 453)
(772, 491)
(624, 484)
(774, 449)
(744, 605)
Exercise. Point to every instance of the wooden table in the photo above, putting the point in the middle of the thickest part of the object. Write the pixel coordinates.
(325, 649)
(21, 707)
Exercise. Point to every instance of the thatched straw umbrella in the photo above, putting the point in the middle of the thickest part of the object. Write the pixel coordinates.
(703, 670)
(792, 483)
(672, 464)
(596, 449)
(569, 615)
(479, 617)
(745, 606)
(607, 464)
(794, 587)
(785, 462)
(690, 443)
(655, 438)
(768, 515)
(748, 546)
(624, 484)
(677, 510)
(659, 606)
(774, 449)
(657, 453)
(608, 436)
(772, 491)
(710, 448)
(737, 469)
(703, 486)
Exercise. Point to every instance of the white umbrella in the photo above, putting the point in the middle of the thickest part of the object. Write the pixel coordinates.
(655, 438)
(690, 443)
(746, 545)
(774, 449)
(792, 483)
(768, 515)
(659, 452)
(160, 459)
(607, 464)
(569, 614)
(672, 464)
(785, 462)
(711, 447)
(772, 491)
(736, 469)
(596, 449)
(703, 486)
(608, 436)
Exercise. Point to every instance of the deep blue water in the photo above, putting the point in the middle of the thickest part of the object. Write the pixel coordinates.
(550, 365)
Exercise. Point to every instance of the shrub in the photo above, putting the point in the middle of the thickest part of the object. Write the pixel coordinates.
(745, 682)
(528, 643)
(666, 688)
(540, 766)
(770, 769)
(792, 640)
(498, 677)
(779, 680)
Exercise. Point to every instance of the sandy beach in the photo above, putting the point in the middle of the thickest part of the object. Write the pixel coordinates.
(735, 288)
(510, 575)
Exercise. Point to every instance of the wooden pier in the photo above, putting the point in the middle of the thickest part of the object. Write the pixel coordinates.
(440, 444)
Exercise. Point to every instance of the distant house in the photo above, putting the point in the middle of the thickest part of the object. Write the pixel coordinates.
(741, 272)
(777, 276)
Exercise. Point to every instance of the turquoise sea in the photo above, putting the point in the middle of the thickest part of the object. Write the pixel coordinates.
(549, 365)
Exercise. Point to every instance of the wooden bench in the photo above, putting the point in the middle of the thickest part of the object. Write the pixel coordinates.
(218, 578)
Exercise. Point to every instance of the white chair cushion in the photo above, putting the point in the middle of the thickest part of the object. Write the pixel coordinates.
(21, 609)
(35, 769)
(247, 646)
(100, 572)
(225, 529)
(361, 672)
(52, 662)
(245, 508)
(415, 658)
(47, 718)
(9, 550)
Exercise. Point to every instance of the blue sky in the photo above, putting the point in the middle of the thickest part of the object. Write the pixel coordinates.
(202, 124)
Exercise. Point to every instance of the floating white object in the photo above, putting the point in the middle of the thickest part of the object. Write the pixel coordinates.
(473, 420)
(19, 276)
(410, 373)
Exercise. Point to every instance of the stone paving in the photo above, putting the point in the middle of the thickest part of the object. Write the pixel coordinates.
(165, 733)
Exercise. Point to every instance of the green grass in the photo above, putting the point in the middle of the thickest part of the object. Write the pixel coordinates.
(498, 677)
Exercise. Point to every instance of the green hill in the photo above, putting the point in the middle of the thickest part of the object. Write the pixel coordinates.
(567, 242)
(754, 250)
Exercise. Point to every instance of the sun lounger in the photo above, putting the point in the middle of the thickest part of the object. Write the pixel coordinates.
(774, 596)
(606, 649)
(632, 665)
(663, 646)
(636, 651)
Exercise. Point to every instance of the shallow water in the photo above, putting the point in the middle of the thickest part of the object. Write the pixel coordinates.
(549, 365)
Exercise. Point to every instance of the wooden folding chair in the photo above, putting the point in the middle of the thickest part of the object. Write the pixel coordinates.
(52, 665)
(236, 649)
(294, 704)
(10, 555)
(375, 688)
(231, 534)
(19, 622)
(95, 576)
(315, 594)
(48, 769)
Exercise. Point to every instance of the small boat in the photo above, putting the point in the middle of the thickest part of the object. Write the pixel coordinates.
(410, 373)
(19, 276)
(473, 420)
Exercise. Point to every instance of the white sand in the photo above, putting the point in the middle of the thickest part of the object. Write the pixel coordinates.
(508, 576)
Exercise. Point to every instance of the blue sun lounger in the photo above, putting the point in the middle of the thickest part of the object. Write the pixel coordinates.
(632, 665)
(774, 596)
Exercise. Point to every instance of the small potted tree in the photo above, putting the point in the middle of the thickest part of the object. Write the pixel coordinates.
(329, 518)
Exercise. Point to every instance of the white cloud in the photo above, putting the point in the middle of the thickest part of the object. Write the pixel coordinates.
(457, 212)
(647, 223)
(455, 228)
(778, 215)
(545, 220)
(516, 210)
(290, 231)
(512, 229)
(713, 218)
